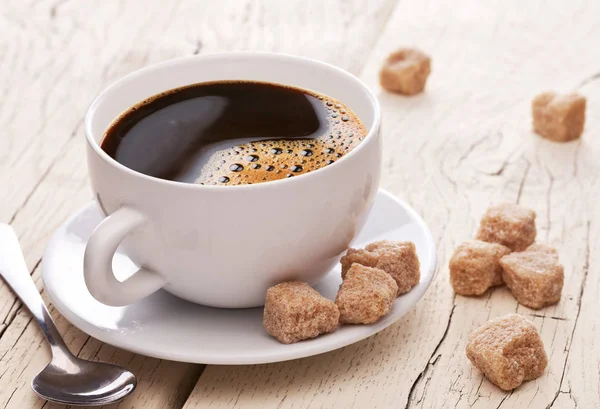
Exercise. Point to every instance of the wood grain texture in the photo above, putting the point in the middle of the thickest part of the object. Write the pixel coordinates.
(56, 55)
(450, 152)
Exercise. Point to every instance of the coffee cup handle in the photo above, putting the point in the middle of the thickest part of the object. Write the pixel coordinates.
(97, 262)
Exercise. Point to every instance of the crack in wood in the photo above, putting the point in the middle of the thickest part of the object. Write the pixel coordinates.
(198, 47)
(504, 398)
(570, 396)
(549, 203)
(447, 327)
(238, 397)
(20, 334)
(11, 317)
(280, 405)
(478, 389)
(460, 396)
(589, 79)
(506, 162)
(416, 382)
(522, 184)
(10, 397)
(455, 381)
(186, 388)
(470, 150)
(430, 363)
(448, 178)
(83, 346)
(428, 381)
(586, 268)
(479, 386)
(549, 317)
(55, 7)
(30, 194)
(500, 171)
(575, 156)
(12, 313)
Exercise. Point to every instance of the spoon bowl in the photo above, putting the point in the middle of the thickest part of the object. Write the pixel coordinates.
(74, 381)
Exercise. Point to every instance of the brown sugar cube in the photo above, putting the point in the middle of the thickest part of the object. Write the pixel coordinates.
(366, 294)
(535, 278)
(475, 267)
(360, 256)
(508, 224)
(295, 311)
(397, 258)
(405, 71)
(508, 350)
(543, 248)
(559, 118)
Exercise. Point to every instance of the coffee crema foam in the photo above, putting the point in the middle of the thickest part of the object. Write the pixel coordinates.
(268, 160)
(228, 133)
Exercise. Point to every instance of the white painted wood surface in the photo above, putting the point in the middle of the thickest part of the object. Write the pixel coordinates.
(464, 143)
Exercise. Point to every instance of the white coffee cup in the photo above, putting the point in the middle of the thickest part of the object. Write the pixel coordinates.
(223, 246)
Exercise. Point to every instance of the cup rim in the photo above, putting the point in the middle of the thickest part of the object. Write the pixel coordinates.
(373, 129)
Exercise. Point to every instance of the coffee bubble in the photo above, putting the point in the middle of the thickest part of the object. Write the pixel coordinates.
(268, 160)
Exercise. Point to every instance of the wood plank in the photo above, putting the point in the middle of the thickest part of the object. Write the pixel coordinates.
(450, 152)
(580, 376)
(80, 47)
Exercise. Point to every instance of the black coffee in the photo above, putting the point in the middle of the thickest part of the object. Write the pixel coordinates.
(233, 133)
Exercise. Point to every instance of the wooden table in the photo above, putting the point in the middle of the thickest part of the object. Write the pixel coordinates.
(450, 152)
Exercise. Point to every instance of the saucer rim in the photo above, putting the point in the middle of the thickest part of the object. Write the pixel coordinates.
(326, 343)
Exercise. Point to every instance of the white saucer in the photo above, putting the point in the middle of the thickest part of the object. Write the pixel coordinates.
(166, 327)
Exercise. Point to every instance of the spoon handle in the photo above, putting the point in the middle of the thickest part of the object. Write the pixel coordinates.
(14, 271)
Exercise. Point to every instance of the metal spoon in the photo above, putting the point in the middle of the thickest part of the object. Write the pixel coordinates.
(66, 379)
